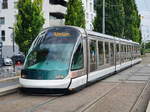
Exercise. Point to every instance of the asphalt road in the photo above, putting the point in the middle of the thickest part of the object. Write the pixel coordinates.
(127, 91)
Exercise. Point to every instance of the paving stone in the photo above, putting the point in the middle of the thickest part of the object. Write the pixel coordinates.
(139, 78)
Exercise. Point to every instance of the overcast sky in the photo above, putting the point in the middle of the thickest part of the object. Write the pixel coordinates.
(143, 6)
(144, 10)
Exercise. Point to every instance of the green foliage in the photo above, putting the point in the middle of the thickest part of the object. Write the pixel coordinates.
(142, 49)
(122, 19)
(132, 21)
(75, 14)
(29, 22)
(114, 17)
(147, 45)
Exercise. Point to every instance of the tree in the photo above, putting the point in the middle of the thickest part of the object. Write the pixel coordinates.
(132, 21)
(122, 19)
(29, 22)
(75, 14)
(147, 45)
(114, 20)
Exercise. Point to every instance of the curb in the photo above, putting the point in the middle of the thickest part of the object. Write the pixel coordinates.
(10, 78)
(9, 89)
(148, 107)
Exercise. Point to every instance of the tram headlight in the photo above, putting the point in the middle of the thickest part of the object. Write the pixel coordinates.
(23, 76)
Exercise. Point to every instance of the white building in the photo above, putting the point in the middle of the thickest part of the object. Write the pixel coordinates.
(8, 14)
(53, 11)
(89, 13)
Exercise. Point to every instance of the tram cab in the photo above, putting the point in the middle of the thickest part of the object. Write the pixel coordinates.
(56, 60)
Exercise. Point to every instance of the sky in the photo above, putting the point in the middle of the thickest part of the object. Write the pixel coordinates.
(144, 10)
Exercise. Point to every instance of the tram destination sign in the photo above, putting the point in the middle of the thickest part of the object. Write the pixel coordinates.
(58, 34)
(61, 34)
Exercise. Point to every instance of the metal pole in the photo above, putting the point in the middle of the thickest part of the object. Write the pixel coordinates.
(14, 49)
(103, 27)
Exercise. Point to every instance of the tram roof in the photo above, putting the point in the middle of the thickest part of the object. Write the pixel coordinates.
(104, 35)
(110, 37)
(92, 33)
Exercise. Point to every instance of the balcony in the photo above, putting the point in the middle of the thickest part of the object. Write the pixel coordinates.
(56, 22)
(57, 8)
(58, 2)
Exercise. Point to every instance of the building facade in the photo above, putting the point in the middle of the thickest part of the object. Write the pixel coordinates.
(90, 13)
(53, 12)
(8, 14)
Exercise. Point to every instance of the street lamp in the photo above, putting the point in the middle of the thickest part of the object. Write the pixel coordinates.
(13, 46)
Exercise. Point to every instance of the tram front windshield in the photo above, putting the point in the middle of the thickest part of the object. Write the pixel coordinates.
(50, 57)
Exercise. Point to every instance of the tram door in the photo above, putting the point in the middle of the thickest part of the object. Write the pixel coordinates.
(92, 53)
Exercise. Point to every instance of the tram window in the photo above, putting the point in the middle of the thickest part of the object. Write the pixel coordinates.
(117, 47)
(92, 55)
(107, 52)
(133, 52)
(112, 54)
(122, 54)
(127, 51)
(101, 53)
(130, 51)
(117, 52)
(78, 61)
(124, 50)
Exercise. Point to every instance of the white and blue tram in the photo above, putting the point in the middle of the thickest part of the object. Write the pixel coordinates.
(66, 58)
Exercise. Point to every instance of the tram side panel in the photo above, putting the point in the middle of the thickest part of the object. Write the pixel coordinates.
(110, 64)
(101, 62)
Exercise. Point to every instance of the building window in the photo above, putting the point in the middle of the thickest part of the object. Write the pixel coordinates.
(87, 15)
(15, 4)
(5, 4)
(3, 35)
(91, 7)
(2, 20)
(91, 17)
(56, 15)
(86, 4)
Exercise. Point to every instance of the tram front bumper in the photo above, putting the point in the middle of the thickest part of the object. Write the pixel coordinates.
(49, 84)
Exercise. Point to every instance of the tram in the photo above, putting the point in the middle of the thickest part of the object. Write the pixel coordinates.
(65, 58)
